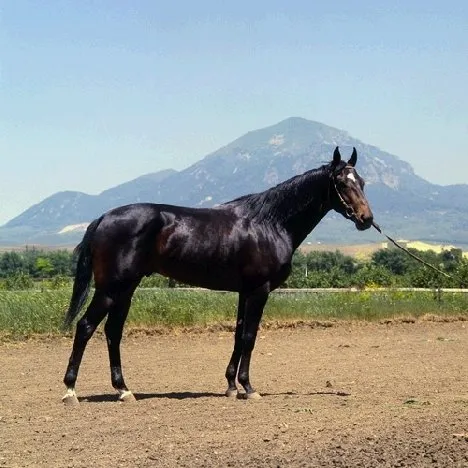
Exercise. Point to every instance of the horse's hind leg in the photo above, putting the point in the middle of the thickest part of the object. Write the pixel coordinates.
(113, 329)
(254, 305)
(231, 370)
(97, 310)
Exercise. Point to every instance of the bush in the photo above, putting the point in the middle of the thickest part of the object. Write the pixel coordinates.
(19, 281)
(155, 281)
(373, 276)
(57, 282)
(461, 275)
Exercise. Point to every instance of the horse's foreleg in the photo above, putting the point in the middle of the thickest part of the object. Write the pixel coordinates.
(85, 328)
(254, 305)
(231, 370)
(113, 329)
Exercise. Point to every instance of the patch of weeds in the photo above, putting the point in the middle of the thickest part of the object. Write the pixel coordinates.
(414, 403)
(303, 410)
(462, 402)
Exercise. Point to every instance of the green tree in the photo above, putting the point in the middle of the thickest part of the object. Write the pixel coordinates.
(11, 263)
(326, 261)
(371, 275)
(426, 277)
(451, 259)
(394, 260)
(62, 262)
(461, 274)
(44, 267)
(30, 256)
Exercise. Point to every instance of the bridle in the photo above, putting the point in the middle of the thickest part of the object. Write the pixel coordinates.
(349, 211)
(350, 214)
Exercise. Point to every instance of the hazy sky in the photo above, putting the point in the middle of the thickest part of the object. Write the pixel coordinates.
(95, 93)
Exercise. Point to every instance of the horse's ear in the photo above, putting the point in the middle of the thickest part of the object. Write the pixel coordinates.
(336, 157)
(353, 158)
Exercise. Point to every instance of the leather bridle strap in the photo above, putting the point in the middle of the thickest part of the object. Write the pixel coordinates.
(348, 208)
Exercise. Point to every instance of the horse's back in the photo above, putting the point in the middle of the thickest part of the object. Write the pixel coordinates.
(138, 239)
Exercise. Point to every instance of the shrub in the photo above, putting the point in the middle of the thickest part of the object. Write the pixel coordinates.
(19, 281)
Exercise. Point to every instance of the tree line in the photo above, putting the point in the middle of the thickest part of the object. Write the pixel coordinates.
(385, 268)
(24, 269)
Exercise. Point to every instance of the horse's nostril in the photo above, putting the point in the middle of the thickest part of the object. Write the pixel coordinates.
(367, 220)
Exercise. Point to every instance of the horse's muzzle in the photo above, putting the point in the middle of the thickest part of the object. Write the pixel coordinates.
(363, 222)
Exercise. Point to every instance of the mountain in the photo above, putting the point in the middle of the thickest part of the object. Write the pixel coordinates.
(404, 204)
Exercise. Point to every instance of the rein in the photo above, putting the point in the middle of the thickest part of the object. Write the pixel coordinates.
(352, 215)
(394, 242)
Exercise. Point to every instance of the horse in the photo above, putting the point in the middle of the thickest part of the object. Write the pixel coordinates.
(244, 245)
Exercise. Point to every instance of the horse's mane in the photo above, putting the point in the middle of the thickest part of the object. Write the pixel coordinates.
(290, 196)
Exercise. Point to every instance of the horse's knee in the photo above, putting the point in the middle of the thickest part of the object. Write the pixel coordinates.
(248, 341)
(84, 329)
(230, 372)
(113, 330)
(243, 377)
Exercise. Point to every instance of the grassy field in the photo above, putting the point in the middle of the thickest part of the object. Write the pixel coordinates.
(27, 313)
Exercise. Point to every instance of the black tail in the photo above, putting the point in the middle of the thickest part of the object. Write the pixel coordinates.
(84, 273)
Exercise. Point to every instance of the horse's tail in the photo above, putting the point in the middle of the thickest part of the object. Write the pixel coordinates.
(83, 275)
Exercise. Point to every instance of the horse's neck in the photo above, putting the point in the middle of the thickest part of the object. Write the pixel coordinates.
(306, 208)
(300, 227)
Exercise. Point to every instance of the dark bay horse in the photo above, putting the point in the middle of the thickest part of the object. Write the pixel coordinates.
(245, 245)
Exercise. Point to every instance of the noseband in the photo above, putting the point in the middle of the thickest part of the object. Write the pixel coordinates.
(349, 212)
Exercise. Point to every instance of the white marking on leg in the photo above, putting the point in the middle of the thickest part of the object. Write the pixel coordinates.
(126, 395)
(70, 398)
(70, 392)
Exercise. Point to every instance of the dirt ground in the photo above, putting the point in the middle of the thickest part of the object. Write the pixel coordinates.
(369, 395)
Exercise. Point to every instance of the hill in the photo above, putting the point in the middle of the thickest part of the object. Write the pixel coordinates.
(403, 203)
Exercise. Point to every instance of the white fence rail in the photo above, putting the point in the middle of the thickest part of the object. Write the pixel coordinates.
(328, 290)
(282, 290)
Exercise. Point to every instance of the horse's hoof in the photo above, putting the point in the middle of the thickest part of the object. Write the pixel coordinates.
(127, 397)
(231, 393)
(70, 399)
(249, 396)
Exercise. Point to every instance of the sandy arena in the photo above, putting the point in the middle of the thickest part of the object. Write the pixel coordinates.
(368, 395)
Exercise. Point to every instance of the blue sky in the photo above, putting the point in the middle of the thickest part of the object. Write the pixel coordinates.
(95, 93)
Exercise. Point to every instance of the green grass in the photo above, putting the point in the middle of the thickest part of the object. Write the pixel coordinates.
(364, 305)
(26, 313)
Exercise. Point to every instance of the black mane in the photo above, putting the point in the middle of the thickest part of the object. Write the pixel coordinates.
(287, 198)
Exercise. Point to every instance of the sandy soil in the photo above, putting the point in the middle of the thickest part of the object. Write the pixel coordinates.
(350, 395)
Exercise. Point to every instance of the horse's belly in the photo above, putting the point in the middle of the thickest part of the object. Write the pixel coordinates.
(204, 275)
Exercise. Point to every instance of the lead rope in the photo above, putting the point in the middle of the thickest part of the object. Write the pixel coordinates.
(394, 242)
(351, 214)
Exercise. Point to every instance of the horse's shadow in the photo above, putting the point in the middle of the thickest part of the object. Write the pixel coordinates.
(111, 397)
(108, 397)
(328, 392)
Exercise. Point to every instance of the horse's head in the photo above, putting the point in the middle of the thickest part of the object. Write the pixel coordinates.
(347, 191)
